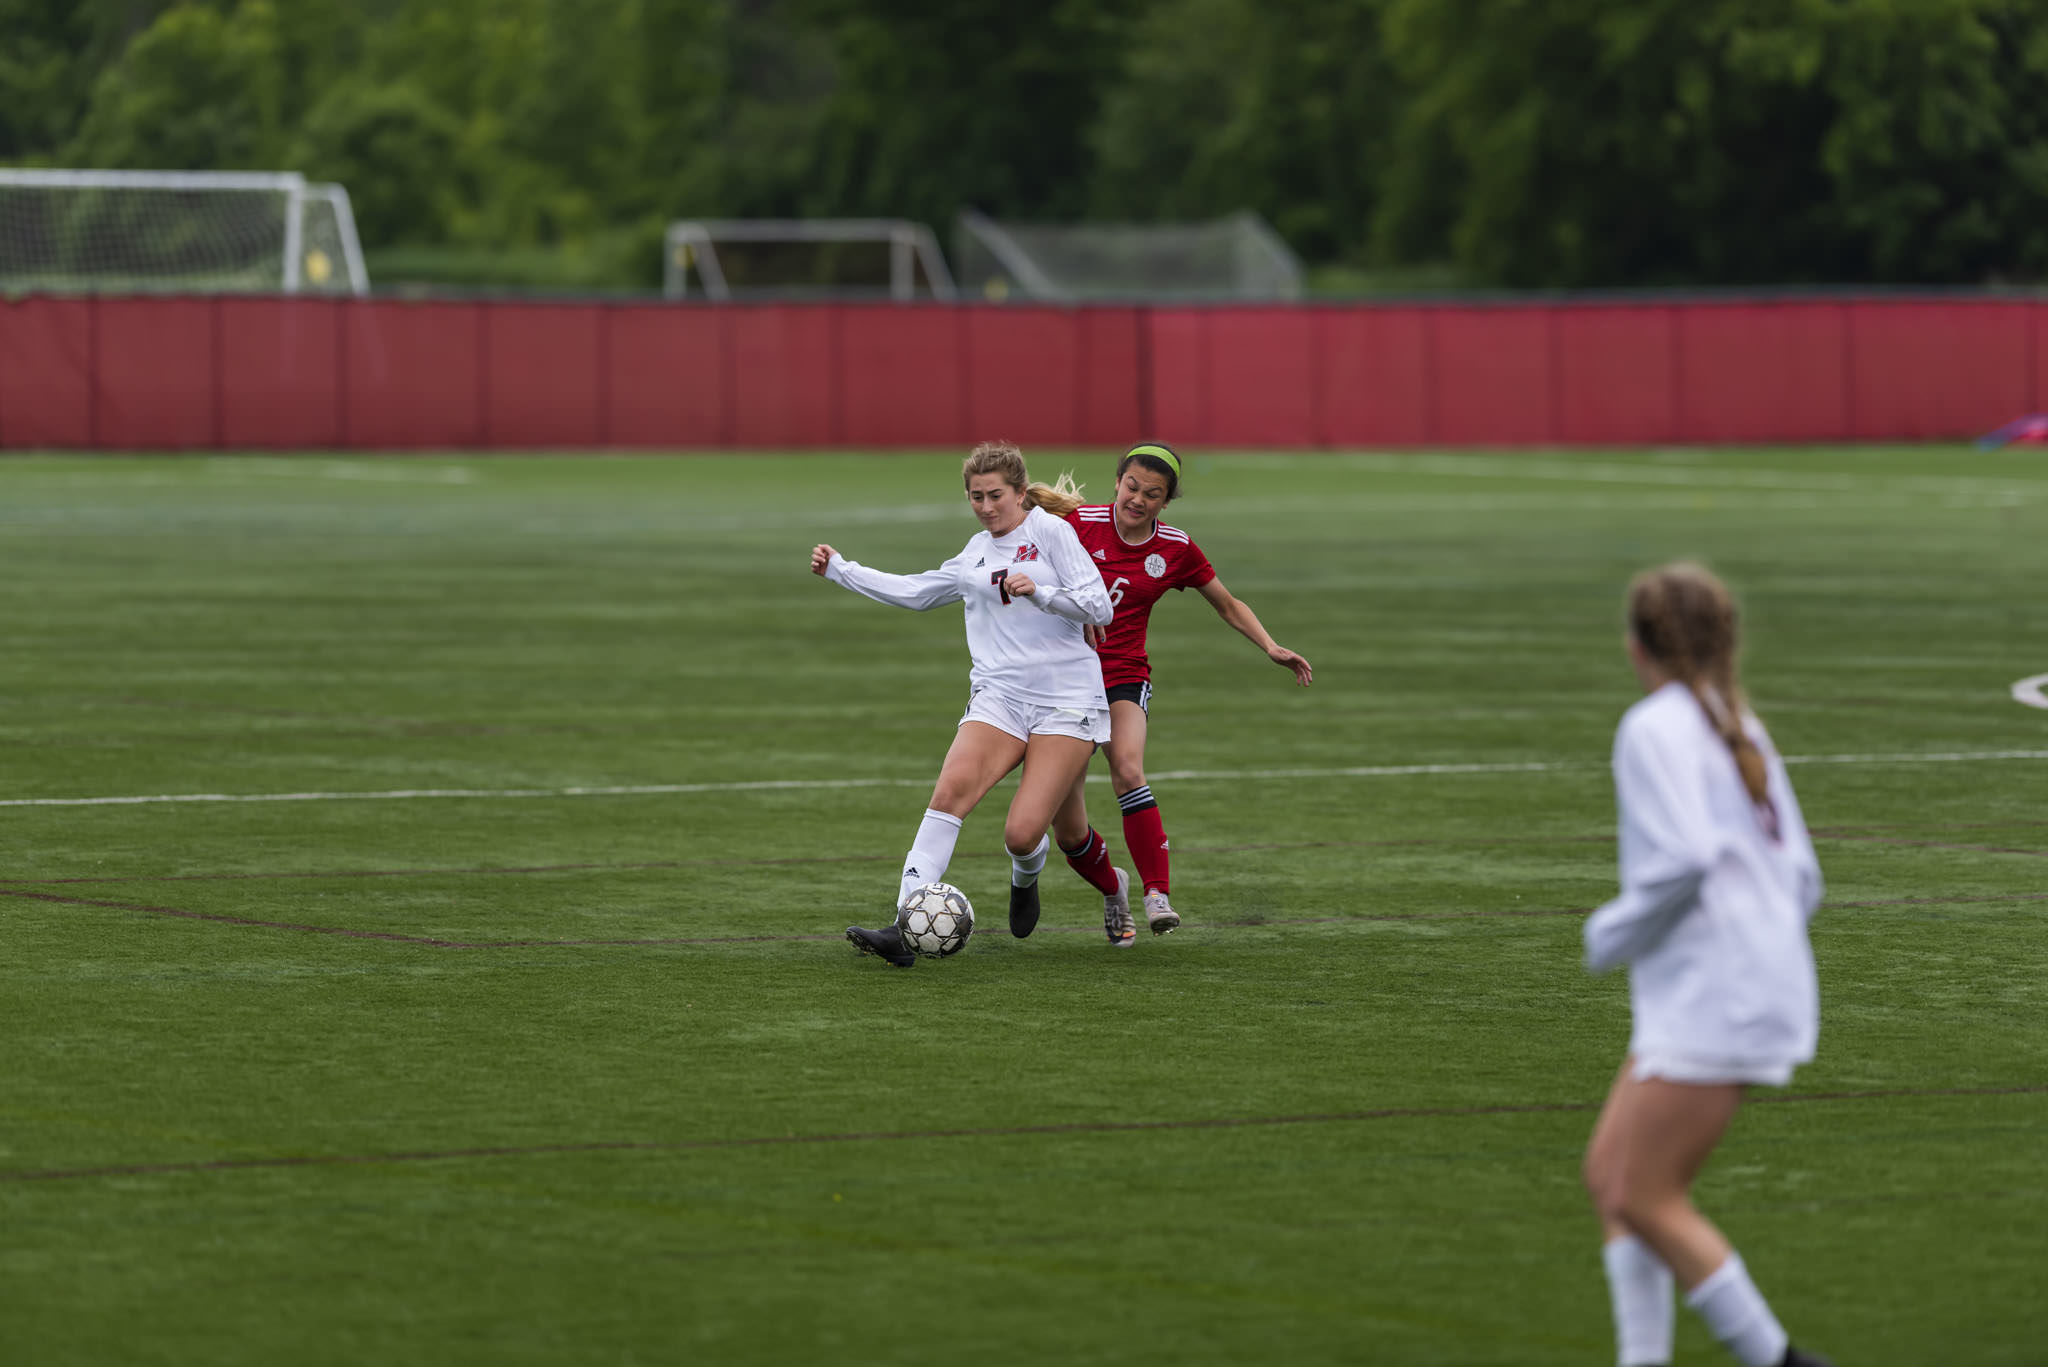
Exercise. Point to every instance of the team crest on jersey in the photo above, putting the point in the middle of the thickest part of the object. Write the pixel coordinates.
(1155, 564)
(1027, 551)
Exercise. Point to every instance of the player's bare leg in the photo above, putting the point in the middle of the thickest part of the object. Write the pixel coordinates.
(1144, 834)
(1652, 1139)
(978, 758)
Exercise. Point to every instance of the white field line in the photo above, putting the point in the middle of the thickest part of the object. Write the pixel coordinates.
(2029, 691)
(1535, 468)
(348, 469)
(837, 784)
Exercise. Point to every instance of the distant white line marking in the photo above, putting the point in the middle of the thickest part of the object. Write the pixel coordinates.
(350, 469)
(2028, 691)
(834, 784)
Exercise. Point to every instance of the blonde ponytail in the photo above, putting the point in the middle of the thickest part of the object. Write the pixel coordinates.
(1685, 620)
(1059, 498)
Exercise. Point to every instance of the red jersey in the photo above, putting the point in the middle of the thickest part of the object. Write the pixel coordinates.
(1137, 576)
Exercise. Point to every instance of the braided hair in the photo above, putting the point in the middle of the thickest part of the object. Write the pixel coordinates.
(1685, 619)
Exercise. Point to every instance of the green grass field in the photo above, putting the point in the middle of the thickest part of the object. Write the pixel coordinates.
(508, 1019)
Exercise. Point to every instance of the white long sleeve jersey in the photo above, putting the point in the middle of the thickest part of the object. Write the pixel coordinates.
(1716, 893)
(1030, 648)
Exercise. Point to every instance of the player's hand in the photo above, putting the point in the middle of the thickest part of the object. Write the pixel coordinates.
(1281, 655)
(821, 556)
(1094, 635)
(1019, 586)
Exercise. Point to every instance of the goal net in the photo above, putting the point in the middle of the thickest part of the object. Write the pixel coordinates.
(199, 231)
(1238, 257)
(737, 258)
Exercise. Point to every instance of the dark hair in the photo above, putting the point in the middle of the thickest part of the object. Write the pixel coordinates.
(1157, 457)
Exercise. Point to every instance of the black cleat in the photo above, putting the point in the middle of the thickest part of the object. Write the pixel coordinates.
(1023, 909)
(883, 944)
(1794, 1358)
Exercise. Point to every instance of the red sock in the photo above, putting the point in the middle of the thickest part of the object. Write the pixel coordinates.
(1145, 836)
(1092, 863)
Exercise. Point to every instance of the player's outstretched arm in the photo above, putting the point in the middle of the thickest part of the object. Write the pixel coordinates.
(1239, 614)
(916, 591)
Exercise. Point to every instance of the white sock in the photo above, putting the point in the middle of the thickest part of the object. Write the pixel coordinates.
(1737, 1314)
(930, 853)
(1645, 1313)
(1025, 868)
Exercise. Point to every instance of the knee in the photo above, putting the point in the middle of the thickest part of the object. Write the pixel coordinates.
(1021, 839)
(1125, 775)
(1606, 1186)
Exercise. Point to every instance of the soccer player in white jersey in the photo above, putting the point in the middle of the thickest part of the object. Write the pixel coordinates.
(1035, 689)
(1718, 881)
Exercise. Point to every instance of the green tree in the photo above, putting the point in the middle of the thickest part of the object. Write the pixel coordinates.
(1282, 106)
(1595, 142)
(982, 103)
(197, 90)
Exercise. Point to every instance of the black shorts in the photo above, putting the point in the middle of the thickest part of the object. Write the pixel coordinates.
(1139, 693)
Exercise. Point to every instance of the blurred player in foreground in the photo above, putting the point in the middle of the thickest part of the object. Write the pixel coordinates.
(1140, 558)
(1718, 881)
(1035, 687)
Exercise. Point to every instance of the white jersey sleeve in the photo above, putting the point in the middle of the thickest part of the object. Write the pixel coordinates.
(919, 592)
(1075, 590)
(1667, 844)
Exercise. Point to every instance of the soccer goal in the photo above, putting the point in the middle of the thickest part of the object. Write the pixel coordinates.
(733, 258)
(112, 231)
(1238, 257)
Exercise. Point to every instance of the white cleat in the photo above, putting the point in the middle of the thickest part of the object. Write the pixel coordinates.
(1160, 915)
(1116, 914)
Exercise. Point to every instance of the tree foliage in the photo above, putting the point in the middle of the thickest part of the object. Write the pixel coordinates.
(1562, 143)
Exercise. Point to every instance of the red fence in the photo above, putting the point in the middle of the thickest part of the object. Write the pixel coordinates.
(282, 373)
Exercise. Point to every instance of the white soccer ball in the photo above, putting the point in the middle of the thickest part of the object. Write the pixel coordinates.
(935, 920)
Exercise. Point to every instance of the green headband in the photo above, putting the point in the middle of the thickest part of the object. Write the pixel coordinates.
(1157, 453)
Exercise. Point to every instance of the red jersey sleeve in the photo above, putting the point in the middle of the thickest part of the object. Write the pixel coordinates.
(1195, 569)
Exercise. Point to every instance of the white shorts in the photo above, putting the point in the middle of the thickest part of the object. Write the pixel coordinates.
(1025, 720)
(1710, 1072)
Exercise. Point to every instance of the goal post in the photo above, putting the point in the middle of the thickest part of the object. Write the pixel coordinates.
(1235, 257)
(732, 258)
(200, 231)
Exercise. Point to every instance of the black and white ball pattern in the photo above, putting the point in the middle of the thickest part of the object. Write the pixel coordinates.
(935, 920)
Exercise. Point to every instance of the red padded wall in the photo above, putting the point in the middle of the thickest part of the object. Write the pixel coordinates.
(1495, 376)
(1937, 368)
(1026, 377)
(1617, 383)
(1373, 367)
(542, 376)
(414, 374)
(904, 375)
(172, 372)
(1115, 398)
(669, 376)
(785, 382)
(1263, 383)
(46, 372)
(280, 377)
(157, 365)
(1178, 376)
(1773, 371)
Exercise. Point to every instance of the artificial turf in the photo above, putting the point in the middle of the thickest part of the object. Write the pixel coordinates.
(512, 1023)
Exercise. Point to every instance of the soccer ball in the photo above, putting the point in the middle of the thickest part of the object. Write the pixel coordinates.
(935, 920)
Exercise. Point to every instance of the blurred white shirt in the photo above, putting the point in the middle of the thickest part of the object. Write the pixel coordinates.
(1030, 648)
(1716, 892)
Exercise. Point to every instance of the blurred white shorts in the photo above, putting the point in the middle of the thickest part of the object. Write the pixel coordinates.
(1025, 720)
(1710, 1072)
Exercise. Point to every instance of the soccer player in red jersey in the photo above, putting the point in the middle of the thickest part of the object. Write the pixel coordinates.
(1140, 558)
